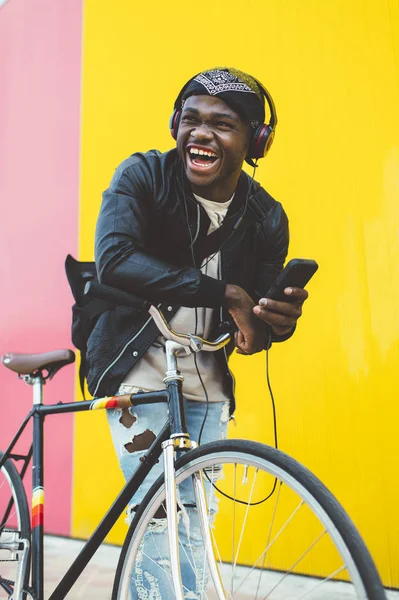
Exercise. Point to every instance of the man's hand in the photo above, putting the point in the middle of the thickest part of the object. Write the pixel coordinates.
(282, 316)
(250, 337)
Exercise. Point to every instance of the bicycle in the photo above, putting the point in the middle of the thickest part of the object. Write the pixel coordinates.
(254, 484)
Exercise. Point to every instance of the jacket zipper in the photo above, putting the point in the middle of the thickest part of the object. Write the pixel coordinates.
(198, 226)
(224, 348)
(120, 354)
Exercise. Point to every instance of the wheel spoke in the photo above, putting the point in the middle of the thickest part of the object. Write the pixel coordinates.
(260, 557)
(167, 573)
(320, 583)
(245, 518)
(190, 559)
(290, 570)
(268, 537)
(211, 498)
(233, 530)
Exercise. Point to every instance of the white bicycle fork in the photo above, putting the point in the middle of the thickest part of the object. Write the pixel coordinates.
(171, 510)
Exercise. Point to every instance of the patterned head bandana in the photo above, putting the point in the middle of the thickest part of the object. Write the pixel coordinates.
(238, 89)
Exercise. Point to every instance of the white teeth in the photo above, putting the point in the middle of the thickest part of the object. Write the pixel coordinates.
(203, 152)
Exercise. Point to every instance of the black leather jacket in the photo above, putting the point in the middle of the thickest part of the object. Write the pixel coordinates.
(146, 224)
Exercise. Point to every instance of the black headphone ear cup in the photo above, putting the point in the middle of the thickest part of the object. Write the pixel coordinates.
(174, 123)
(261, 141)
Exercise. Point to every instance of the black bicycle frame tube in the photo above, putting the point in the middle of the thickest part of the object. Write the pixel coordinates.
(37, 506)
(81, 406)
(96, 539)
(176, 408)
(53, 409)
(26, 458)
(15, 439)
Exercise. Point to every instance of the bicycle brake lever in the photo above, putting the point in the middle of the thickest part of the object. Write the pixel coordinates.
(196, 343)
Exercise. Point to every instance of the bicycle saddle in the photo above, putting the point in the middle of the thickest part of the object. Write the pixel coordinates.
(28, 364)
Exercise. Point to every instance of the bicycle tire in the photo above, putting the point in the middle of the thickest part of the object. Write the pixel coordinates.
(18, 520)
(296, 479)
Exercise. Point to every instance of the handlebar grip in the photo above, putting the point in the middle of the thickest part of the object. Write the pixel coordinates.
(114, 295)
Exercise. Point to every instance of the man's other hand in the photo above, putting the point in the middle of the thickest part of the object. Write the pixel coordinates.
(282, 316)
(249, 338)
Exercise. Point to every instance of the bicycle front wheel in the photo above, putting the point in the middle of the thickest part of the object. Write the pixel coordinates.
(272, 524)
(14, 526)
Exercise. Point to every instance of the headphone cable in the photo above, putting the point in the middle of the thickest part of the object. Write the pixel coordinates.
(196, 317)
(195, 354)
(204, 264)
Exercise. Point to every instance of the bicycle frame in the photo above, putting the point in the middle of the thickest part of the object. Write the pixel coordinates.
(173, 436)
(172, 395)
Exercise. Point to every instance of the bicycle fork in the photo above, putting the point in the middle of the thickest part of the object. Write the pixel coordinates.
(180, 440)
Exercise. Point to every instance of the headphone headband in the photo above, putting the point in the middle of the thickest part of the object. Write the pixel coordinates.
(270, 102)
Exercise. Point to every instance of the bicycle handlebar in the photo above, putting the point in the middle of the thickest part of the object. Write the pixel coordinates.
(188, 340)
(114, 295)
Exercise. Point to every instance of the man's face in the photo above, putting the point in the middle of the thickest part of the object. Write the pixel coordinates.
(212, 141)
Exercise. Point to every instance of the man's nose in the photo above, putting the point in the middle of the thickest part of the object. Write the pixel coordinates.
(202, 131)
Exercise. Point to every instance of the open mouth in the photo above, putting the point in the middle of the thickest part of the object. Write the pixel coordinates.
(201, 157)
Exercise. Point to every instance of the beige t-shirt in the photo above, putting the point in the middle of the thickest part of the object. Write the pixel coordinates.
(149, 372)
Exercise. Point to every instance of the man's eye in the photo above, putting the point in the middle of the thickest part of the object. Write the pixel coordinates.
(224, 125)
(187, 119)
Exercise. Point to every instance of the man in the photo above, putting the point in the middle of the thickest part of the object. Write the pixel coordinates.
(190, 230)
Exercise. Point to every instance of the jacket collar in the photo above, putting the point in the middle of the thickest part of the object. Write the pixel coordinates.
(206, 245)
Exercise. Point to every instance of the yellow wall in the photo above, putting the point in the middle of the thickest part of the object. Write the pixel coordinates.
(333, 69)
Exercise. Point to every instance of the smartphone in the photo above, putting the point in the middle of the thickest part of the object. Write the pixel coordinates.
(296, 273)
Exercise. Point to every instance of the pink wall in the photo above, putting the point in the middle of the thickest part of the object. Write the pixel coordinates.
(40, 59)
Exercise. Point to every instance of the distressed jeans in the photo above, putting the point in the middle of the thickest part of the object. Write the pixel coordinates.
(133, 430)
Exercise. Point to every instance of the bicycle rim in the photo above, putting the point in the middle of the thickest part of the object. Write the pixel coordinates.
(14, 525)
(264, 550)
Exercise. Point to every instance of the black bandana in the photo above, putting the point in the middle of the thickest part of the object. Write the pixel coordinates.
(239, 90)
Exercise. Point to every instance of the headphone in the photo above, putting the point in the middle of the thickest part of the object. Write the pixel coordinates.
(262, 136)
